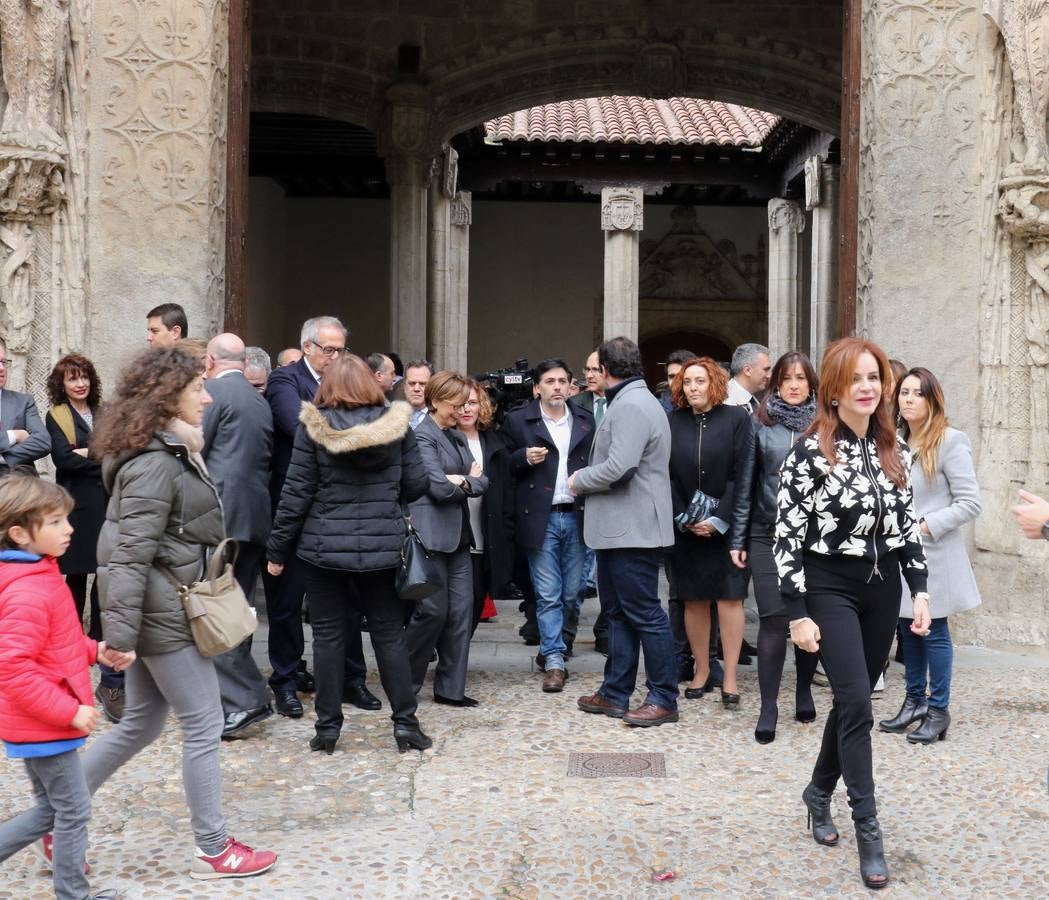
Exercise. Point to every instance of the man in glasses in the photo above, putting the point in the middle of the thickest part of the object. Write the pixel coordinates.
(23, 437)
(323, 340)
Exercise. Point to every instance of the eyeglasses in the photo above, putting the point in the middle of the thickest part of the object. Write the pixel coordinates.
(329, 351)
(589, 369)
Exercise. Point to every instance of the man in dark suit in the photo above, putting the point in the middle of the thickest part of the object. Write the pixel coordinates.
(550, 440)
(23, 437)
(323, 339)
(238, 440)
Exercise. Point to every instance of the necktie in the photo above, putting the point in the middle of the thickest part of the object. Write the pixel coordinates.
(599, 409)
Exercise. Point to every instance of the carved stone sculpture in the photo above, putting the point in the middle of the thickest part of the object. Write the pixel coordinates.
(33, 43)
(785, 214)
(623, 210)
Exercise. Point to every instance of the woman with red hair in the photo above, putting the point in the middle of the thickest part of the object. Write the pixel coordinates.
(709, 447)
(845, 528)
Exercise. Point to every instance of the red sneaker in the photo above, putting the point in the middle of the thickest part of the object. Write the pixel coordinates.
(44, 849)
(236, 860)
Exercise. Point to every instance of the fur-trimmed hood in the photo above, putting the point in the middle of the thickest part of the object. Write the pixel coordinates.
(368, 428)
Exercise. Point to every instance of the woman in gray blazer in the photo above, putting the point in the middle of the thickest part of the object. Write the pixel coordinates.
(946, 496)
(441, 517)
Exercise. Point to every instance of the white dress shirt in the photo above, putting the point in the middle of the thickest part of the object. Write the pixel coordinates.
(740, 396)
(561, 434)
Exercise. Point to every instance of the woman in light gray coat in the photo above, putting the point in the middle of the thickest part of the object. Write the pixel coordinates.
(946, 496)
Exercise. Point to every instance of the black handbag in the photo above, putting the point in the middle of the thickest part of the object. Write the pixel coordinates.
(418, 577)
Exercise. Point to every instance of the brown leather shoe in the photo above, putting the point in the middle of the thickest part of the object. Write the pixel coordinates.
(595, 703)
(648, 714)
(554, 681)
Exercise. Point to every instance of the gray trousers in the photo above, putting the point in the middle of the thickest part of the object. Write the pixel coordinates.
(443, 621)
(183, 682)
(241, 684)
(63, 806)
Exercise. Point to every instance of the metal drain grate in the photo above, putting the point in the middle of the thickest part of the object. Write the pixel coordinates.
(616, 765)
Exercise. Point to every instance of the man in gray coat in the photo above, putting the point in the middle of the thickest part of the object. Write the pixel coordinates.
(628, 520)
(238, 441)
(23, 437)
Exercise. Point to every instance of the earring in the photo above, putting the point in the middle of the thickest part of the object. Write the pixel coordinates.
(833, 402)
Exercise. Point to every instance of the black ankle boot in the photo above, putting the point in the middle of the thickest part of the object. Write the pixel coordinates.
(873, 870)
(325, 742)
(765, 730)
(409, 738)
(933, 728)
(911, 711)
(818, 804)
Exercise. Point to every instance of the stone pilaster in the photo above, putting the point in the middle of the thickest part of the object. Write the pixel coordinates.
(622, 219)
(459, 260)
(821, 196)
(786, 222)
(446, 330)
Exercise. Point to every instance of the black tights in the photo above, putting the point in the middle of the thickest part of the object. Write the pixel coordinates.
(772, 651)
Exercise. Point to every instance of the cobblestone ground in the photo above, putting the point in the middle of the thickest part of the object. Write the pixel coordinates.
(491, 812)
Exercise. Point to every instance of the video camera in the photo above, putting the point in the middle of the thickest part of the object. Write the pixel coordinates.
(509, 387)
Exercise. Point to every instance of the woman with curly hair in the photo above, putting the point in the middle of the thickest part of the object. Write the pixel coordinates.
(709, 447)
(163, 512)
(75, 394)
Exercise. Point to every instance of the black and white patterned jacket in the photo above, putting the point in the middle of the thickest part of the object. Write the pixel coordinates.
(852, 511)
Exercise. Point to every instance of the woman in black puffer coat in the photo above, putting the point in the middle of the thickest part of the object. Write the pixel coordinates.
(353, 465)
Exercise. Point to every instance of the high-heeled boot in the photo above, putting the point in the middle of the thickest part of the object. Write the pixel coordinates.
(911, 711)
(818, 819)
(933, 728)
(411, 738)
(873, 869)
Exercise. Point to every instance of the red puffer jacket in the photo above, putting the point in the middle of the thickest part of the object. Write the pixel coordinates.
(44, 654)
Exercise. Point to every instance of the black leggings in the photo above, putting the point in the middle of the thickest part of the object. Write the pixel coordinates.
(857, 621)
(77, 585)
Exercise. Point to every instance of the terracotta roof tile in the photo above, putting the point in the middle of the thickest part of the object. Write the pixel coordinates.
(636, 120)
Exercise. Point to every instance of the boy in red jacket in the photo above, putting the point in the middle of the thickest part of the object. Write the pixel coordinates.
(46, 703)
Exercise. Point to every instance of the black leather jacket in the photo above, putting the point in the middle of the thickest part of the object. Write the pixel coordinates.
(755, 500)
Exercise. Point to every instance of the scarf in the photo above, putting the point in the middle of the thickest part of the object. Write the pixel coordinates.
(191, 436)
(796, 418)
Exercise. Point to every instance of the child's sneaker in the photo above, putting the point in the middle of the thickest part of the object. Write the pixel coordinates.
(43, 849)
(235, 861)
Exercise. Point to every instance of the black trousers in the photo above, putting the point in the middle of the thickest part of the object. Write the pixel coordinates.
(77, 585)
(481, 575)
(284, 595)
(335, 616)
(857, 621)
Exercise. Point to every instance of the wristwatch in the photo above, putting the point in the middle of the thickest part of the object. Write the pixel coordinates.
(1045, 530)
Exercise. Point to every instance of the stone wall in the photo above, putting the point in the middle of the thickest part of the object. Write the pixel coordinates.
(157, 153)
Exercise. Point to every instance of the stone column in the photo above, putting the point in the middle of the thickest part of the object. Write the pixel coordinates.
(403, 143)
(786, 222)
(821, 196)
(622, 219)
(447, 280)
(459, 258)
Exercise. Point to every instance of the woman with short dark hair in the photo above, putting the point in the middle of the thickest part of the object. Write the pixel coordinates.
(709, 445)
(353, 467)
(783, 417)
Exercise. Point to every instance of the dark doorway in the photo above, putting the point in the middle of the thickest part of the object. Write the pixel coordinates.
(654, 351)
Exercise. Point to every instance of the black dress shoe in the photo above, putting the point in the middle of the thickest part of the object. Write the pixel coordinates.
(236, 722)
(359, 695)
(448, 701)
(325, 742)
(590, 593)
(287, 703)
(303, 679)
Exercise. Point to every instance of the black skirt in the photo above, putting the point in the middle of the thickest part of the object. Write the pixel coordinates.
(702, 567)
(766, 578)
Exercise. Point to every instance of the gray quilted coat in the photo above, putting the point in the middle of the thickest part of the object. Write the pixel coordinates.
(162, 508)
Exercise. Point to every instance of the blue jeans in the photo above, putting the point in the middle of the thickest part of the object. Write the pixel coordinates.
(932, 654)
(557, 576)
(628, 581)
